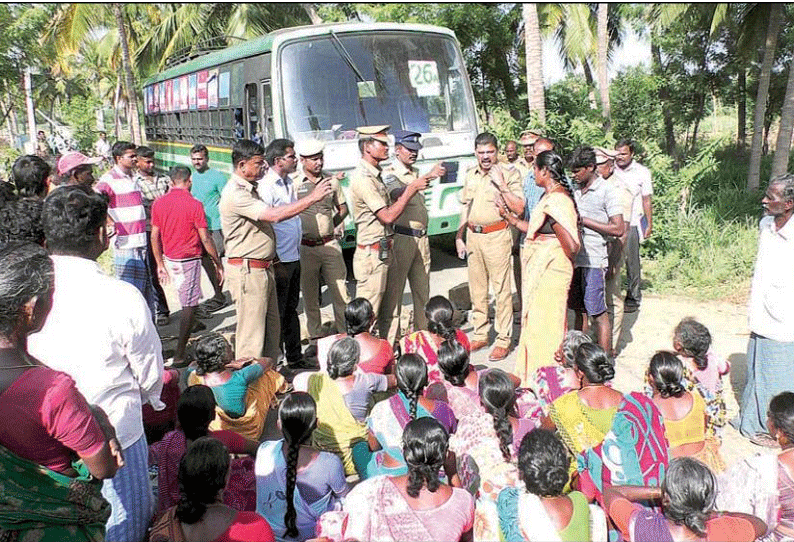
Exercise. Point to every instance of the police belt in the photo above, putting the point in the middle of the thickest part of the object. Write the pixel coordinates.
(490, 228)
(317, 242)
(404, 230)
(253, 263)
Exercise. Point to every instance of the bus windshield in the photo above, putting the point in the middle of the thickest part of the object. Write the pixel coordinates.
(333, 84)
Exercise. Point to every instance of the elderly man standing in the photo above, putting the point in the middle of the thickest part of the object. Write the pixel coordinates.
(770, 351)
(411, 245)
(374, 216)
(488, 242)
(100, 333)
(320, 252)
(247, 224)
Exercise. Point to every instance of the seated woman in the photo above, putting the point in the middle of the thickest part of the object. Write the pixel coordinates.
(460, 387)
(615, 436)
(377, 355)
(199, 514)
(763, 484)
(295, 483)
(583, 417)
(414, 507)
(554, 381)
(543, 511)
(244, 389)
(687, 495)
(389, 418)
(684, 412)
(195, 411)
(440, 328)
(486, 444)
(344, 397)
(51, 441)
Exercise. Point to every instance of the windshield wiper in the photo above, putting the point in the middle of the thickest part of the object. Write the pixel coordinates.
(343, 52)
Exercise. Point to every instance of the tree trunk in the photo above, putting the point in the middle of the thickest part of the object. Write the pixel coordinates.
(129, 79)
(603, 80)
(741, 128)
(116, 106)
(311, 11)
(664, 97)
(533, 49)
(783, 145)
(754, 172)
(506, 78)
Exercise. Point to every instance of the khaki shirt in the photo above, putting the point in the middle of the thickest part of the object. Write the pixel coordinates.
(318, 219)
(520, 164)
(368, 195)
(245, 235)
(479, 192)
(415, 213)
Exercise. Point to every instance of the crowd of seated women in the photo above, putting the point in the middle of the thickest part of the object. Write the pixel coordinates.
(464, 455)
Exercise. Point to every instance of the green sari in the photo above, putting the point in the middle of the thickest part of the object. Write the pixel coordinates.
(41, 505)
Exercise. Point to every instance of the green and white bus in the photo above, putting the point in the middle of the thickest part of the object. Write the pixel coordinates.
(322, 82)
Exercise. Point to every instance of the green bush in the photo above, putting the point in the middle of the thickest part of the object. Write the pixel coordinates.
(80, 114)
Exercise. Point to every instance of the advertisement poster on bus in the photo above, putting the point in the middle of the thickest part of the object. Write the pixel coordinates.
(177, 94)
(183, 93)
(161, 101)
(201, 90)
(223, 88)
(212, 88)
(169, 95)
(191, 95)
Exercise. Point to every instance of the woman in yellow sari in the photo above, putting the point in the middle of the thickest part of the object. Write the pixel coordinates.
(547, 265)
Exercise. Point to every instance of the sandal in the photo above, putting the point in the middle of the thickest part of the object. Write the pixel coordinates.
(215, 304)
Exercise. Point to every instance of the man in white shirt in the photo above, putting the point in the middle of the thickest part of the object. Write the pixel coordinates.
(100, 332)
(278, 189)
(638, 178)
(770, 351)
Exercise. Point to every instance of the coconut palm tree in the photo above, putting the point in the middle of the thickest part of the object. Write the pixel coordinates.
(603, 47)
(533, 48)
(770, 43)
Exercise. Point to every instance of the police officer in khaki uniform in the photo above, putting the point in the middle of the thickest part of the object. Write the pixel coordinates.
(527, 140)
(411, 248)
(369, 203)
(488, 243)
(246, 222)
(320, 250)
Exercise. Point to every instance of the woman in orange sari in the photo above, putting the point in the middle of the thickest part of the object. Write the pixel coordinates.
(547, 265)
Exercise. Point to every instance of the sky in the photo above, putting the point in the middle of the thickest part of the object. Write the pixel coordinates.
(634, 51)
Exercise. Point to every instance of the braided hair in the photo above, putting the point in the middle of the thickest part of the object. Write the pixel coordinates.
(552, 162)
(453, 360)
(691, 491)
(411, 373)
(343, 357)
(202, 475)
(195, 410)
(543, 463)
(667, 373)
(439, 313)
(298, 417)
(594, 363)
(358, 316)
(498, 398)
(212, 353)
(425, 444)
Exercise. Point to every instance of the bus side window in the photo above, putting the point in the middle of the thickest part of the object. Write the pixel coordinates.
(251, 112)
(267, 112)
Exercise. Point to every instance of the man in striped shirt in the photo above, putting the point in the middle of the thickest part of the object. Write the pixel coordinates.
(128, 219)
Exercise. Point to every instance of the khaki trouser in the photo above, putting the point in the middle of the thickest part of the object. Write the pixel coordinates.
(411, 262)
(258, 324)
(615, 294)
(370, 275)
(326, 259)
(490, 264)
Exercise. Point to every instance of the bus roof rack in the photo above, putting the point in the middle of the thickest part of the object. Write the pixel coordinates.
(200, 48)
